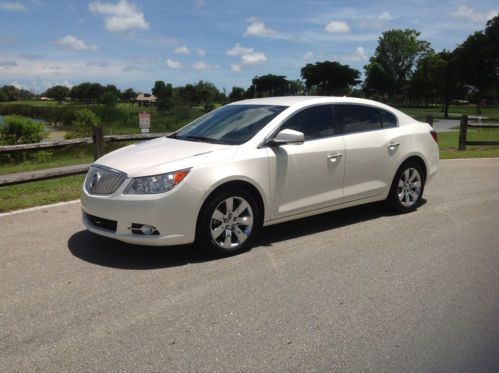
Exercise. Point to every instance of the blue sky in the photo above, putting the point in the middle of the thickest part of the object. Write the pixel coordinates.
(132, 43)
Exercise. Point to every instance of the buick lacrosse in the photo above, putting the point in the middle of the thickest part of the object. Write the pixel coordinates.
(253, 163)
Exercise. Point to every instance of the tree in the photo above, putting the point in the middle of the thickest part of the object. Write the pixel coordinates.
(296, 87)
(129, 95)
(163, 93)
(237, 94)
(329, 78)
(391, 66)
(21, 130)
(270, 85)
(82, 124)
(58, 92)
(109, 98)
(476, 69)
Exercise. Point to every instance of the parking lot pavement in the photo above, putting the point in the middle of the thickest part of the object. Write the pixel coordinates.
(353, 290)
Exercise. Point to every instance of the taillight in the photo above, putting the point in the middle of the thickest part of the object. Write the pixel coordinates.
(434, 134)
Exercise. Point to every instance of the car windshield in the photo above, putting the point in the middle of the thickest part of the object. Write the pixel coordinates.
(231, 124)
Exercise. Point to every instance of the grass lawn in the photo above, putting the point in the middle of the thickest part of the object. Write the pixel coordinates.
(448, 143)
(455, 112)
(40, 193)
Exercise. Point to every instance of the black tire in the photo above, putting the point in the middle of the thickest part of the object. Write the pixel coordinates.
(394, 201)
(204, 238)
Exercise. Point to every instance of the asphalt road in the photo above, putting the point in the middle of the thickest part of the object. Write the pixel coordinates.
(355, 290)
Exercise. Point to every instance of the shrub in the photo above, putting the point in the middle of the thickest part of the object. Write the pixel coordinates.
(82, 124)
(20, 130)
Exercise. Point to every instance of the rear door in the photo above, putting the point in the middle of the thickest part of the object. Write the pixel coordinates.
(308, 176)
(372, 147)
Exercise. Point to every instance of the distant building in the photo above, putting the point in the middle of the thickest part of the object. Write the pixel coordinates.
(145, 99)
(45, 98)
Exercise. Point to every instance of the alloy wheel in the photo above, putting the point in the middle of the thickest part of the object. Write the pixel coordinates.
(409, 187)
(231, 222)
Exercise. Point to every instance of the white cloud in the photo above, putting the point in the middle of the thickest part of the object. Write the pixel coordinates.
(172, 64)
(71, 42)
(199, 3)
(236, 67)
(253, 58)
(8, 63)
(182, 50)
(337, 27)
(201, 65)
(31, 56)
(201, 52)
(358, 55)
(465, 12)
(122, 16)
(385, 16)
(376, 21)
(237, 50)
(258, 28)
(101, 64)
(309, 55)
(14, 6)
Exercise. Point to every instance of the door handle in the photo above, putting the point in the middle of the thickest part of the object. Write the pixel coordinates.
(393, 146)
(333, 157)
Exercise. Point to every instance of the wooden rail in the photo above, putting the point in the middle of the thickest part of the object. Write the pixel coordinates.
(463, 133)
(98, 139)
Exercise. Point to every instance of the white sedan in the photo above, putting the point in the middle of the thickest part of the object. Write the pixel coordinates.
(258, 162)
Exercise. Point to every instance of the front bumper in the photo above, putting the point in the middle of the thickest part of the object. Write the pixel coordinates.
(174, 214)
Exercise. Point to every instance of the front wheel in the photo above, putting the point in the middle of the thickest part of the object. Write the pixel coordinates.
(407, 188)
(228, 223)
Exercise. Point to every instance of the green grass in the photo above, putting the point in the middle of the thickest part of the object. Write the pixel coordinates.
(455, 112)
(448, 143)
(40, 193)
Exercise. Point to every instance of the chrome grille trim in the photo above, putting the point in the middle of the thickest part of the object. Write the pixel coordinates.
(103, 180)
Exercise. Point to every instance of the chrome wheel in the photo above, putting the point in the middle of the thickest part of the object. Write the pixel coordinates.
(231, 222)
(409, 187)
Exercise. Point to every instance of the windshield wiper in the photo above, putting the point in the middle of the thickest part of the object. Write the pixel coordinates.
(201, 139)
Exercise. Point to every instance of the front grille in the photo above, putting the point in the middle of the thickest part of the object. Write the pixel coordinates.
(102, 223)
(103, 180)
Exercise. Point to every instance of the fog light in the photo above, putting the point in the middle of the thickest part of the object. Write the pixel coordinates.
(147, 229)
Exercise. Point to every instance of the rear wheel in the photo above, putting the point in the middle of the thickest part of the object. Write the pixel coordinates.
(228, 223)
(407, 188)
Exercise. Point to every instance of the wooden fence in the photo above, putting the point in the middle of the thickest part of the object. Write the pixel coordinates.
(98, 139)
(463, 133)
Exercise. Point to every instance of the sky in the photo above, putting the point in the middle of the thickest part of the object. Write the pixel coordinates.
(133, 43)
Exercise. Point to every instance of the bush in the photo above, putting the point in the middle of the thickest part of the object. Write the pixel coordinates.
(82, 123)
(20, 130)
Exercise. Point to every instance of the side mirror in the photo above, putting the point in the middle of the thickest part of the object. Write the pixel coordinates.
(287, 136)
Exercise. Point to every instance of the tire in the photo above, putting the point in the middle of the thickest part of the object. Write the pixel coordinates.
(225, 231)
(407, 188)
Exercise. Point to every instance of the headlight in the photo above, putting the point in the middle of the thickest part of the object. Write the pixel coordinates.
(157, 183)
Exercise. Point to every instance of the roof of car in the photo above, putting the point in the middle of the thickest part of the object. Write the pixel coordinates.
(292, 100)
(311, 100)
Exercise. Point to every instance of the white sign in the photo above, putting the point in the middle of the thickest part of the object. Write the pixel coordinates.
(144, 121)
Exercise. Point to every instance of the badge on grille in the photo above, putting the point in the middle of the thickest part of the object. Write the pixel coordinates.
(95, 181)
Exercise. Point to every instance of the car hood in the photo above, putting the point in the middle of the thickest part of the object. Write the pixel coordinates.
(162, 155)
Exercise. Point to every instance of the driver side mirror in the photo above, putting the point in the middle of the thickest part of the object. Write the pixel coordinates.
(287, 136)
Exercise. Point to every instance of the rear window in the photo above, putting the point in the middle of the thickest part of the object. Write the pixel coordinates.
(358, 118)
(387, 119)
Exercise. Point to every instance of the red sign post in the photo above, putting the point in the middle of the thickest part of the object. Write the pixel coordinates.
(144, 122)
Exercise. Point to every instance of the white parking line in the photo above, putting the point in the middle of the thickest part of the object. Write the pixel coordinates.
(36, 208)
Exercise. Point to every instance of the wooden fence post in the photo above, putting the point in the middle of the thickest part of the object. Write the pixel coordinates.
(98, 139)
(429, 119)
(463, 129)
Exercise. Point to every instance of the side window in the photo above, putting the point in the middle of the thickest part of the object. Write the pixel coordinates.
(358, 118)
(387, 119)
(314, 122)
